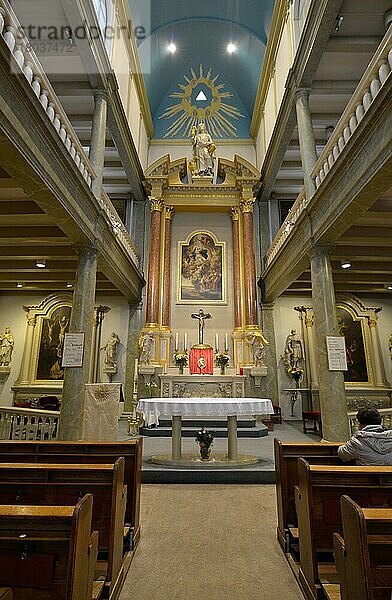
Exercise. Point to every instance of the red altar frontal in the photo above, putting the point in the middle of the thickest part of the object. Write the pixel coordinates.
(201, 360)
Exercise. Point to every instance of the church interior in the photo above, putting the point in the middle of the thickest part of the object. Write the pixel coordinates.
(195, 298)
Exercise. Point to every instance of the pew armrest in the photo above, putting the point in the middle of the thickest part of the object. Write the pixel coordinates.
(92, 561)
(340, 560)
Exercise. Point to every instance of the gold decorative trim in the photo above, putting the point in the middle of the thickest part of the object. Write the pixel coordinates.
(151, 326)
(156, 204)
(169, 212)
(373, 322)
(32, 321)
(201, 347)
(247, 206)
(235, 213)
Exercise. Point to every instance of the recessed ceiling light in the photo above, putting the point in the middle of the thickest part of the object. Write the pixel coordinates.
(69, 285)
(231, 48)
(388, 287)
(19, 285)
(41, 263)
(172, 48)
(345, 264)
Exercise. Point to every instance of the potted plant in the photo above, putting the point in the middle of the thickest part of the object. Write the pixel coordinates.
(205, 439)
(221, 360)
(181, 360)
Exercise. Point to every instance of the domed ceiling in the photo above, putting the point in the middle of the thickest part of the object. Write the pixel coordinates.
(200, 77)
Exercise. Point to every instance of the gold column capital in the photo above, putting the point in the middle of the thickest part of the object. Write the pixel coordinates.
(235, 213)
(373, 321)
(169, 212)
(247, 206)
(156, 204)
(31, 321)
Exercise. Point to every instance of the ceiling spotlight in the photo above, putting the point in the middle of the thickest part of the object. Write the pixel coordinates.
(69, 285)
(41, 263)
(345, 264)
(388, 287)
(19, 285)
(338, 22)
(172, 48)
(231, 48)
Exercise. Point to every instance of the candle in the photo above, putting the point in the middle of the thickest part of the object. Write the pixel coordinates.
(226, 343)
(176, 344)
(185, 341)
(164, 368)
(216, 341)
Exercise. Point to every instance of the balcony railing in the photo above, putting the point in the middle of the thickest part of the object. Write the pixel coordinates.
(119, 229)
(376, 75)
(28, 424)
(24, 60)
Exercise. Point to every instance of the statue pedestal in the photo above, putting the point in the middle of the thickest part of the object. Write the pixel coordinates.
(201, 180)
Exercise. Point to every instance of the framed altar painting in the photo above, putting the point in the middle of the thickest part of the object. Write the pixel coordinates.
(201, 270)
(352, 330)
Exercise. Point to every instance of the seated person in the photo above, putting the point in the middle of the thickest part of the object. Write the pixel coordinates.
(371, 444)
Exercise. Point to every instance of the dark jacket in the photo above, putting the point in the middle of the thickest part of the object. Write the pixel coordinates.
(371, 445)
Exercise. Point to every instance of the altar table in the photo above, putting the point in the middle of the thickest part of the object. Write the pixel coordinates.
(231, 408)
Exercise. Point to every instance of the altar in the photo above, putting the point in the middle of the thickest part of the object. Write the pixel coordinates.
(153, 408)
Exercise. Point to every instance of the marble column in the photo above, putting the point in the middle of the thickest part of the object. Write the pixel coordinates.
(27, 351)
(331, 383)
(236, 269)
(72, 405)
(154, 264)
(379, 372)
(134, 326)
(98, 139)
(270, 383)
(307, 142)
(251, 321)
(169, 211)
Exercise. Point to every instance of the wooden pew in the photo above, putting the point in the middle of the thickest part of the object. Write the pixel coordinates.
(318, 507)
(48, 552)
(364, 554)
(286, 468)
(50, 484)
(88, 452)
(5, 594)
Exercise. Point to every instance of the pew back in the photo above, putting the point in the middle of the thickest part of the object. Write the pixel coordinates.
(87, 452)
(367, 539)
(286, 467)
(63, 485)
(318, 504)
(45, 552)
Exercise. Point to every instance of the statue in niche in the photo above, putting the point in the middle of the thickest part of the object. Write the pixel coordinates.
(6, 347)
(111, 353)
(203, 151)
(146, 346)
(256, 343)
(293, 352)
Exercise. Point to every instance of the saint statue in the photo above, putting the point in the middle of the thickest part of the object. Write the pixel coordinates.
(255, 341)
(6, 347)
(111, 352)
(146, 345)
(293, 353)
(201, 316)
(203, 150)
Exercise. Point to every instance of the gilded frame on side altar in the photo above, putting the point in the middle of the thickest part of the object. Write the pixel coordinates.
(201, 269)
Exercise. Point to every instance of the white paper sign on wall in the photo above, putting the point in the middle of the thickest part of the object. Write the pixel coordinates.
(73, 350)
(336, 348)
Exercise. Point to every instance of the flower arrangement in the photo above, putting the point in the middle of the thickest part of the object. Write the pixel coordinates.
(150, 386)
(205, 439)
(295, 373)
(221, 360)
(180, 360)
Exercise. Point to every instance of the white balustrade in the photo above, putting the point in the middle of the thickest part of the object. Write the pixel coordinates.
(28, 63)
(118, 228)
(28, 424)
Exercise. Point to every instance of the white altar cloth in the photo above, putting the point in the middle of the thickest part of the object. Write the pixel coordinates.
(152, 408)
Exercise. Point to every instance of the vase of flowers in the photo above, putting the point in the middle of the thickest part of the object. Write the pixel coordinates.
(221, 360)
(205, 439)
(180, 360)
(295, 373)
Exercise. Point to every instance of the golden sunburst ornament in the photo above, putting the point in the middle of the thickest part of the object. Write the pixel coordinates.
(217, 115)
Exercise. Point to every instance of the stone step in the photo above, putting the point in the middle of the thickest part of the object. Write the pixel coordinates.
(258, 430)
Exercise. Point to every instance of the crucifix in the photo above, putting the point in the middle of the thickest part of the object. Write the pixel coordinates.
(201, 316)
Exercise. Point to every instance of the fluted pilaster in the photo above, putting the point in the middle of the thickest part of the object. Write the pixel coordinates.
(235, 215)
(169, 212)
(249, 267)
(154, 261)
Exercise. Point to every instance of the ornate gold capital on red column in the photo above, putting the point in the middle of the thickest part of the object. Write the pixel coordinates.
(247, 206)
(156, 204)
(235, 213)
(169, 212)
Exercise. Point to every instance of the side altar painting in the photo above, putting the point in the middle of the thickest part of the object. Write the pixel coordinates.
(51, 345)
(351, 329)
(201, 266)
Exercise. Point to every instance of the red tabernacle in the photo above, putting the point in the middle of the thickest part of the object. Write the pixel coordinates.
(201, 361)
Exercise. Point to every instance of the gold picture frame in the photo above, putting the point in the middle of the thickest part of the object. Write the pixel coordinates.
(201, 269)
